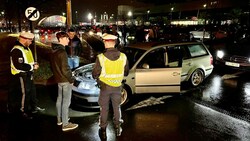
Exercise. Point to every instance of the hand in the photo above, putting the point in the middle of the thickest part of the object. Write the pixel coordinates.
(36, 66)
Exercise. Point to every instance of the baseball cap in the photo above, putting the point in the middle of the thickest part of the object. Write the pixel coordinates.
(106, 36)
(27, 35)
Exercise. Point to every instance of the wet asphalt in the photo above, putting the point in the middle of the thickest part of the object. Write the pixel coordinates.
(171, 118)
(218, 110)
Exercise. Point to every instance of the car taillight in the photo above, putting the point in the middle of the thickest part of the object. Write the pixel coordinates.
(211, 60)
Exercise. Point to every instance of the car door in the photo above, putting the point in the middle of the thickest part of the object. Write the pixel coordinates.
(153, 75)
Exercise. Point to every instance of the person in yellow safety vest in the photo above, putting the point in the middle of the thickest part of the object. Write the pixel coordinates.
(22, 91)
(109, 69)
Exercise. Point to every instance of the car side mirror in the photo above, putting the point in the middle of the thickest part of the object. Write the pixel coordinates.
(145, 66)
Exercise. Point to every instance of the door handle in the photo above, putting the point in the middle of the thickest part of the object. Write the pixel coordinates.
(176, 73)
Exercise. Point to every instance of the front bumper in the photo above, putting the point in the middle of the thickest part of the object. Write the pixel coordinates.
(232, 65)
(85, 98)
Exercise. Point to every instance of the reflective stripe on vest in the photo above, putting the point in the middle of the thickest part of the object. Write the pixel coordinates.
(28, 59)
(112, 71)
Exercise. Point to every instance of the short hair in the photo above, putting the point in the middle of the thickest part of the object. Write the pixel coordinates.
(61, 34)
(71, 30)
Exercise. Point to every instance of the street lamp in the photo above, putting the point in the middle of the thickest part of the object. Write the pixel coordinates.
(148, 11)
(76, 16)
(130, 14)
(205, 6)
(90, 17)
(172, 9)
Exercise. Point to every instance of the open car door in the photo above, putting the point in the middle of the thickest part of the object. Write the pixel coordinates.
(153, 73)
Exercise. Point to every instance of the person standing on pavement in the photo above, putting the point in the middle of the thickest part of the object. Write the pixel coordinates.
(114, 32)
(63, 76)
(109, 69)
(73, 49)
(22, 93)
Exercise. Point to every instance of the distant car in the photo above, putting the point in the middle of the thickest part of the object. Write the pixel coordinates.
(200, 34)
(153, 69)
(236, 54)
(220, 34)
(49, 30)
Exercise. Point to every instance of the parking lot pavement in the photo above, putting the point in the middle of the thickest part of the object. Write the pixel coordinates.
(173, 119)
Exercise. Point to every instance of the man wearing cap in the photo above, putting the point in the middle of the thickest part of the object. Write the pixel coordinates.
(109, 69)
(22, 87)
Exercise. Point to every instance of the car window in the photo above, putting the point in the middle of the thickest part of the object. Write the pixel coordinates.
(155, 59)
(132, 54)
(174, 56)
(197, 50)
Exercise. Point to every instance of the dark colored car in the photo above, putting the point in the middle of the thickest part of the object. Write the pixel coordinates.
(236, 54)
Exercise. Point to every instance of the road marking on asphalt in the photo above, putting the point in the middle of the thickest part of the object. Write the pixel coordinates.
(149, 102)
(230, 76)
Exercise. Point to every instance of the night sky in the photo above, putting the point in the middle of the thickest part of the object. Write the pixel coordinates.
(83, 7)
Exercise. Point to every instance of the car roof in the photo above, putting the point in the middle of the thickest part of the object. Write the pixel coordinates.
(149, 45)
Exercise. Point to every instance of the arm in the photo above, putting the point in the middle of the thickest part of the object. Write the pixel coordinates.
(65, 69)
(97, 69)
(126, 68)
(79, 47)
(18, 60)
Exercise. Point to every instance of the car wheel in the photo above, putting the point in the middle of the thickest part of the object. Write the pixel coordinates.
(125, 95)
(197, 77)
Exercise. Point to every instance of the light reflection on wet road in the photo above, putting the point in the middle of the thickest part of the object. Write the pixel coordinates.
(227, 92)
(219, 109)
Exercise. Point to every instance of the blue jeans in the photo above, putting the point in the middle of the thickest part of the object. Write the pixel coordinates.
(63, 101)
(73, 62)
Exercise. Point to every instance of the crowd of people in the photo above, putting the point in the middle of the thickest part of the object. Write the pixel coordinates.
(64, 58)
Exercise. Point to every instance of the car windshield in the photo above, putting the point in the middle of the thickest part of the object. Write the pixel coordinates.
(133, 54)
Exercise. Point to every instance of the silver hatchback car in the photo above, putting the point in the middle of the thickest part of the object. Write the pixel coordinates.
(154, 68)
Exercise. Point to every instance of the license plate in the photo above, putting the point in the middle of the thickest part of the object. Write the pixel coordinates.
(232, 64)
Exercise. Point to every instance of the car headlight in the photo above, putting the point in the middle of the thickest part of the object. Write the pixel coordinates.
(220, 54)
(86, 85)
(249, 59)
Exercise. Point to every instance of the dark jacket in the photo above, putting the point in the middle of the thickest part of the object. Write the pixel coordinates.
(75, 47)
(18, 59)
(112, 54)
(59, 64)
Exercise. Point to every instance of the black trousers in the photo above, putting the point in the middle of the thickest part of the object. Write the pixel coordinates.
(22, 93)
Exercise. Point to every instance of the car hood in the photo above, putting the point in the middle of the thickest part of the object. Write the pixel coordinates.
(84, 73)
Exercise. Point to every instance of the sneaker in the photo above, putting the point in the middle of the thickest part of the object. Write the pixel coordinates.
(27, 116)
(38, 109)
(118, 130)
(69, 126)
(102, 134)
(59, 121)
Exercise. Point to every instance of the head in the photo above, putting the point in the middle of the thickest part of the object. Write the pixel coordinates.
(71, 33)
(109, 40)
(26, 38)
(63, 38)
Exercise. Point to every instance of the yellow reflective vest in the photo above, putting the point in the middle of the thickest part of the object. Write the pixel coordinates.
(28, 59)
(112, 71)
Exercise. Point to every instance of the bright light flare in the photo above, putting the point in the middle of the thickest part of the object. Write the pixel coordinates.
(220, 54)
